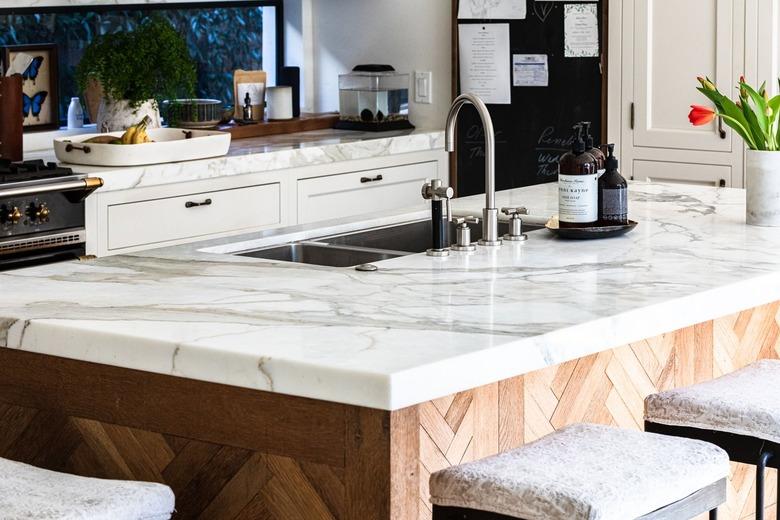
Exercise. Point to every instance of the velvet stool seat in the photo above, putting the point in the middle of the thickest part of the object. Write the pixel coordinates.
(740, 412)
(587, 472)
(31, 493)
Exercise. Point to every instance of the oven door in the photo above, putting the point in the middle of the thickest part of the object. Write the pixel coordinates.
(42, 249)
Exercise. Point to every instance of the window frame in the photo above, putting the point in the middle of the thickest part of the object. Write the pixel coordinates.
(277, 4)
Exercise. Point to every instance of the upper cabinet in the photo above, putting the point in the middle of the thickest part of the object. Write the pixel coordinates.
(674, 43)
(658, 48)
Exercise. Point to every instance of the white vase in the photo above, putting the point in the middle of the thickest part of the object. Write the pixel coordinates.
(115, 116)
(762, 182)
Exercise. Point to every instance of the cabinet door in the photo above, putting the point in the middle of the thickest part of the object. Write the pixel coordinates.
(370, 191)
(674, 42)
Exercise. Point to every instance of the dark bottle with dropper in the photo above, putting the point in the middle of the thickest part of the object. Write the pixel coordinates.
(577, 186)
(594, 150)
(613, 193)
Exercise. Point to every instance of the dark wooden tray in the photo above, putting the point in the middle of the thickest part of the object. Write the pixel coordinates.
(590, 232)
(305, 123)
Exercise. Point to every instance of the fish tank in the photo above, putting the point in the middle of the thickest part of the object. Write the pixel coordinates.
(374, 98)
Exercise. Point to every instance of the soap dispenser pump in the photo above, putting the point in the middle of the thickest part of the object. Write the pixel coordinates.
(613, 193)
(594, 150)
(577, 185)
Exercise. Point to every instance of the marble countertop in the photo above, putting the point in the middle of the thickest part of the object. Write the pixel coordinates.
(261, 154)
(417, 329)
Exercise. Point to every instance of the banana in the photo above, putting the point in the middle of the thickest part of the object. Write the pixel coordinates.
(136, 134)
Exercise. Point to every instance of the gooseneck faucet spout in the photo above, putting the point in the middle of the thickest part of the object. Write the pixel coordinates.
(490, 212)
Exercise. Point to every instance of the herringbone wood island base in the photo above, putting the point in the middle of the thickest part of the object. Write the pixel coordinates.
(231, 453)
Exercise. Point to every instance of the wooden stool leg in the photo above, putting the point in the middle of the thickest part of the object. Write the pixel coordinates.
(760, 471)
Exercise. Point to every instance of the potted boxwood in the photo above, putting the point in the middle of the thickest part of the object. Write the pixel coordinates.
(136, 70)
(754, 116)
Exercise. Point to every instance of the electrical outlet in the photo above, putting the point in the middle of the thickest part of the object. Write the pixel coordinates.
(423, 87)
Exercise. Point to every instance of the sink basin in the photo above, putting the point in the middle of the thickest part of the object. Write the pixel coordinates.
(411, 237)
(364, 247)
(321, 254)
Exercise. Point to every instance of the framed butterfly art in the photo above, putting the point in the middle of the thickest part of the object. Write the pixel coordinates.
(40, 99)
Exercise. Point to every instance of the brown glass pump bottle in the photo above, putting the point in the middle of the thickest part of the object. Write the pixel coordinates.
(594, 150)
(577, 186)
(613, 193)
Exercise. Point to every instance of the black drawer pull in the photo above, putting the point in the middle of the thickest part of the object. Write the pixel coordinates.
(190, 204)
(371, 179)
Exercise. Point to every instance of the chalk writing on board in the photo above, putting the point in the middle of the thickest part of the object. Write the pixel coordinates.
(549, 148)
(543, 9)
(475, 141)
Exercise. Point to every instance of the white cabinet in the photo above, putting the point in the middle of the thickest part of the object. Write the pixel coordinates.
(150, 222)
(363, 192)
(664, 45)
(136, 219)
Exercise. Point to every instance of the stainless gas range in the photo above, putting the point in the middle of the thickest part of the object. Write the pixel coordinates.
(41, 213)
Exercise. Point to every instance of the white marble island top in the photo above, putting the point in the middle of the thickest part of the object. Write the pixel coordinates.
(417, 329)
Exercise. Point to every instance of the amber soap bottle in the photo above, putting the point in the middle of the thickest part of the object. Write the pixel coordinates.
(613, 193)
(577, 186)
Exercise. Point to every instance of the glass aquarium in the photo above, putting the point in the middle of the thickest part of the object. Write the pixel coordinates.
(375, 98)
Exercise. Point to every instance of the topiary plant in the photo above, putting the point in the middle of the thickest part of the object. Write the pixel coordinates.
(151, 62)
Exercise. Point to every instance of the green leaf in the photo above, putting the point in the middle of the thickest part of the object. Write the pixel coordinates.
(759, 107)
(728, 107)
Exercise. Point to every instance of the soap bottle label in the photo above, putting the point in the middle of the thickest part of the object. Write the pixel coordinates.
(578, 198)
(614, 205)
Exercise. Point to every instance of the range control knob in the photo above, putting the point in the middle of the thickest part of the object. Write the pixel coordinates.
(12, 215)
(39, 212)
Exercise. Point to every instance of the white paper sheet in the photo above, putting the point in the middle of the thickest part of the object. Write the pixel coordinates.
(530, 70)
(492, 9)
(581, 31)
(484, 61)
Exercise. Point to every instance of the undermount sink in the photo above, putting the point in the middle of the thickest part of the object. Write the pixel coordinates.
(367, 246)
(321, 254)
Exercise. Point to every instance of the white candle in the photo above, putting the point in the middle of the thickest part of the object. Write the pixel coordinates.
(280, 103)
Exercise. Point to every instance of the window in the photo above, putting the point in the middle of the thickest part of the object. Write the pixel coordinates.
(222, 37)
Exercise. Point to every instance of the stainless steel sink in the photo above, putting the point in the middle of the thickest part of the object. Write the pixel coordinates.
(322, 254)
(364, 247)
(411, 237)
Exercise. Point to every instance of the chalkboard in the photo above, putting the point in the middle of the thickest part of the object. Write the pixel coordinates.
(535, 129)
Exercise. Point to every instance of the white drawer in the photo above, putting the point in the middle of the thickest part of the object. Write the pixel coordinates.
(188, 216)
(356, 193)
(685, 173)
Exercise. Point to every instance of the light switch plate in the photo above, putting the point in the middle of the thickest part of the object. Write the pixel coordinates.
(423, 87)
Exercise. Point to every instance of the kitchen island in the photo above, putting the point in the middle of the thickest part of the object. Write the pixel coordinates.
(275, 390)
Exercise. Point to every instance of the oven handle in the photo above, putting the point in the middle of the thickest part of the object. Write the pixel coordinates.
(86, 186)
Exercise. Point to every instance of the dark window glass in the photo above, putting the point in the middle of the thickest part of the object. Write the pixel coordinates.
(221, 39)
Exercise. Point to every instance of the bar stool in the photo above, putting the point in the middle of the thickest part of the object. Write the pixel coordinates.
(740, 412)
(31, 493)
(586, 472)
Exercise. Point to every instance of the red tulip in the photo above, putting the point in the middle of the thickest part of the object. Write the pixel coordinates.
(701, 115)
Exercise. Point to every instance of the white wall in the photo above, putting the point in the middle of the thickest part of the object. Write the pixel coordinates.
(408, 34)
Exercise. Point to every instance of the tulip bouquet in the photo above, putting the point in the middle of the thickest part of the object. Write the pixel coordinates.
(754, 116)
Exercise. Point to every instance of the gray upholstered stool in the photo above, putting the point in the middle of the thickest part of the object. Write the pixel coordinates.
(740, 412)
(31, 493)
(586, 472)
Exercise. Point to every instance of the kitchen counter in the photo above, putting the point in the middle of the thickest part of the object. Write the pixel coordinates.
(418, 329)
(263, 154)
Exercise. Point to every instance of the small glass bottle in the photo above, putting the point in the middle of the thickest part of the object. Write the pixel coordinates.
(75, 114)
(613, 193)
(577, 186)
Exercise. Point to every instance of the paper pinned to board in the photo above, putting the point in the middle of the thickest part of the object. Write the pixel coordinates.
(581, 31)
(492, 9)
(485, 61)
(530, 70)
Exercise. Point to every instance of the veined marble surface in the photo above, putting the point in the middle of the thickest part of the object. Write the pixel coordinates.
(261, 154)
(417, 329)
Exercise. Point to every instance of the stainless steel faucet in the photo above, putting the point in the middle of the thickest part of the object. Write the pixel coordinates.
(490, 212)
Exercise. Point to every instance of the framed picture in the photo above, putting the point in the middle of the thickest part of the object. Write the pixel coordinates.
(40, 99)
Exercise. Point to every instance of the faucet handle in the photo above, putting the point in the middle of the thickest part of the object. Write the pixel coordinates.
(435, 190)
(521, 210)
(458, 221)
